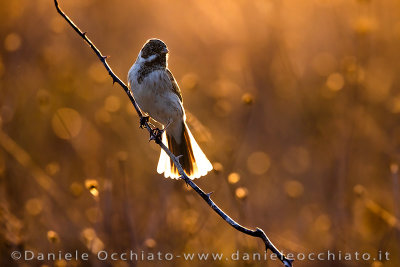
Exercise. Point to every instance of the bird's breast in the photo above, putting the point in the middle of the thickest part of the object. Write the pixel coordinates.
(155, 96)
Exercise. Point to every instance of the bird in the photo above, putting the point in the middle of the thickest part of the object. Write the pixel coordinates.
(158, 95)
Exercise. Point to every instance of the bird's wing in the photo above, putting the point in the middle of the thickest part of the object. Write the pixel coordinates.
(175, 86)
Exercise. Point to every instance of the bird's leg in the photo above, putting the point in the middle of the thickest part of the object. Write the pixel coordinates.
(166, 126)
(156, 133)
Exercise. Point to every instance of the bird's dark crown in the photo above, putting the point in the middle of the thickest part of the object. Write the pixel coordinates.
(154, 47)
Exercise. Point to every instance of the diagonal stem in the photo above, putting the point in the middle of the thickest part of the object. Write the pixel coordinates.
(256, 233)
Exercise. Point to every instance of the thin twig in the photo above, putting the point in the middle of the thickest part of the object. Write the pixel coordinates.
(256, 233)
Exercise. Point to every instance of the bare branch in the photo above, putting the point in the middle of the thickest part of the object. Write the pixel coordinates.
(144, 122)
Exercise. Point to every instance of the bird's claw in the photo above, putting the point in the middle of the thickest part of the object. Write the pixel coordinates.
(156, 135)
(143, 121)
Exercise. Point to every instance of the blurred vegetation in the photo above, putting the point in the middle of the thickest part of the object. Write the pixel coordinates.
(296, 102)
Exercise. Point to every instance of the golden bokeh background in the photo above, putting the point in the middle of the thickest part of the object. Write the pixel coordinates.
(296, 103)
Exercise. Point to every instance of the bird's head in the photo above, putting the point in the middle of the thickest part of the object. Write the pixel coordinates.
(154, 52)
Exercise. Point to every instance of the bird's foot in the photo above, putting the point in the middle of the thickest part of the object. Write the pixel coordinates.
(156, 135)
(143, 120)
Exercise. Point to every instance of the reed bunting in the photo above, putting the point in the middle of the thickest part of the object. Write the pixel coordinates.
(158, 95)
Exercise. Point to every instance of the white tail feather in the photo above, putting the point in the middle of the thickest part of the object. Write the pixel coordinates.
(203, 164)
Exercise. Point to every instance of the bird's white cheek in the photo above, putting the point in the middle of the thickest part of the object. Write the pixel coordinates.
(140, 60)
(151, 58)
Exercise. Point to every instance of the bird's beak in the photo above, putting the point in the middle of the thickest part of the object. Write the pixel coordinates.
(165, 51)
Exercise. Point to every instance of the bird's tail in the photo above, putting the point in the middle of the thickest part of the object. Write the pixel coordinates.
(193, 160)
